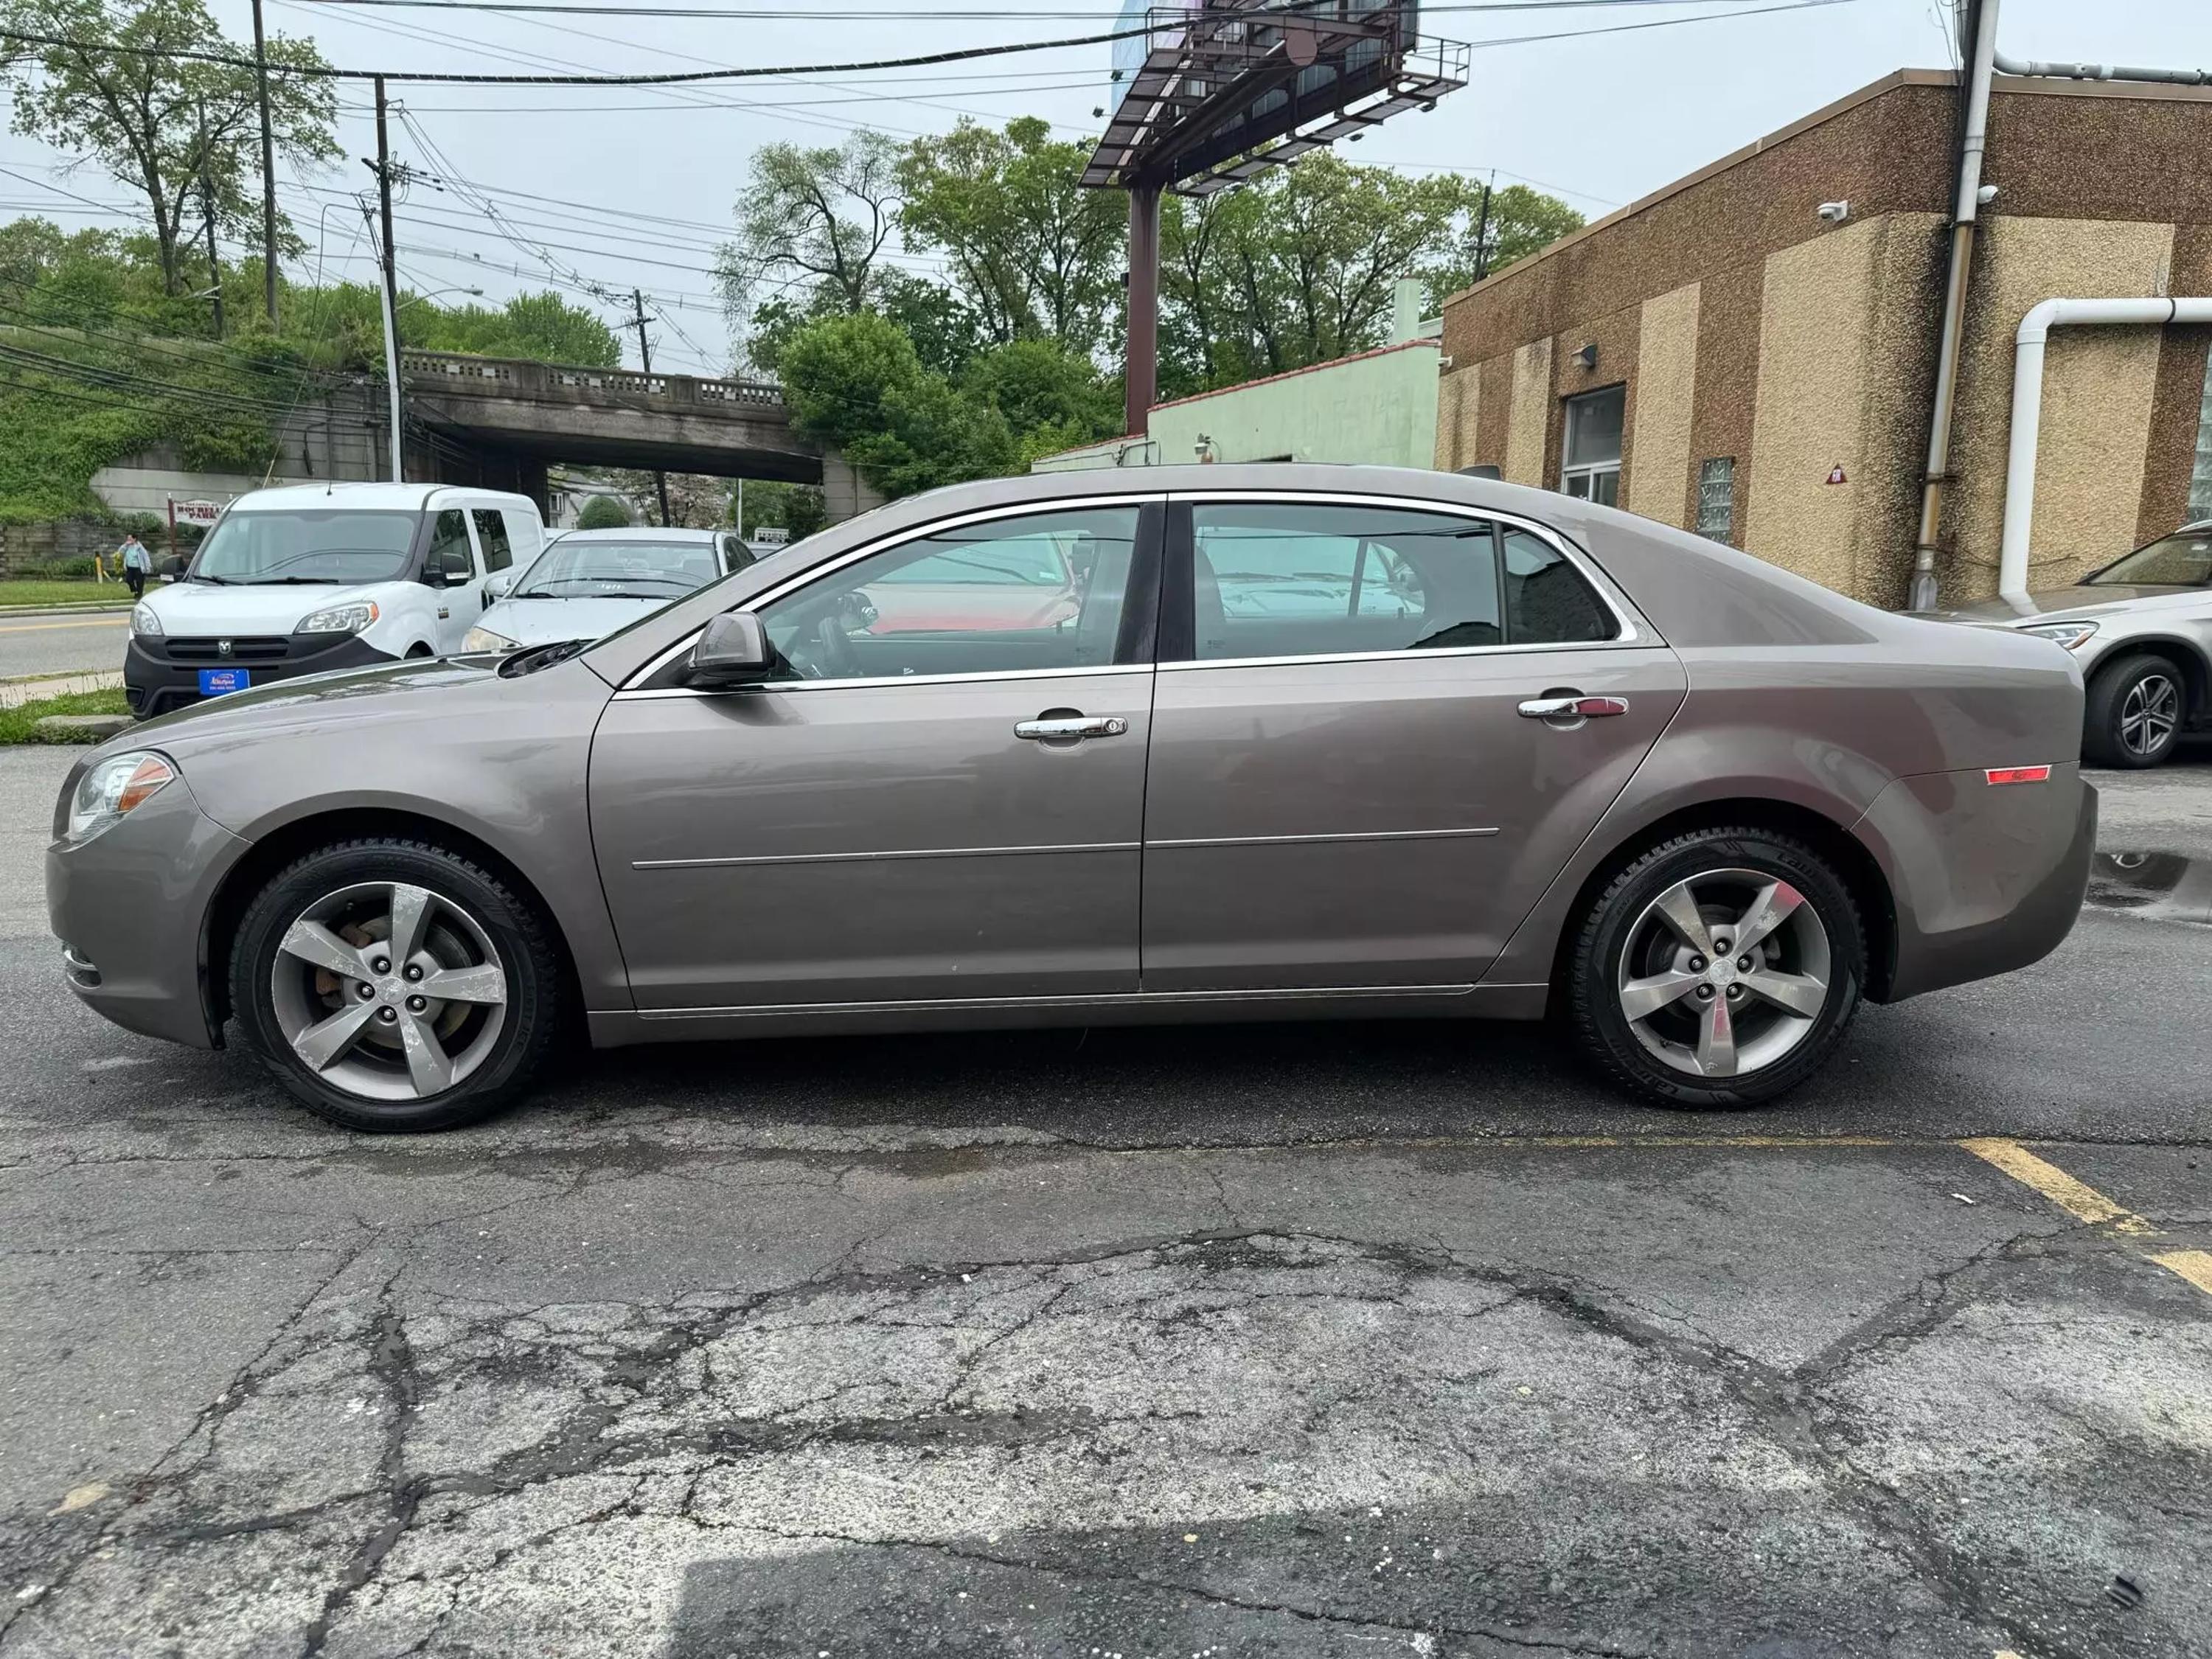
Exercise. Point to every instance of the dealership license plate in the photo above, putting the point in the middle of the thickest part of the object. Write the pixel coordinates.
(214, 681)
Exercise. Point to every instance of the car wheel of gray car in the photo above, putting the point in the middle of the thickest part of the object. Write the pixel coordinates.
(2134, 713)
(1719, 969)
(393, 984)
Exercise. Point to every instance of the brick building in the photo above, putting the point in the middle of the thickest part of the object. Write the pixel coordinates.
(1722, 356)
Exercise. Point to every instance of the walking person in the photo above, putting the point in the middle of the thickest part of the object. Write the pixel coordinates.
(136, 564)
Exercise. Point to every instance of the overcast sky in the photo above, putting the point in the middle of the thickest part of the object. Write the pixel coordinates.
(1598, 120)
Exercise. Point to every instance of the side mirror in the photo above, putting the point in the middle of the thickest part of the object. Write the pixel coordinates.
(733, 650)
(434, 576)
(495, 587)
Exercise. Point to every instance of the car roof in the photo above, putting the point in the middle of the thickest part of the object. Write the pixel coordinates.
(640, 532)
(372, 497)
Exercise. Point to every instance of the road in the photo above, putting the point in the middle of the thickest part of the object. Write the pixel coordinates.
(1259, 1340)
(47, 642)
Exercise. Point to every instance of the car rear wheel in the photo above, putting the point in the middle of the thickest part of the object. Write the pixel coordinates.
(393, 984)
(2136, 710)
(1720, 968)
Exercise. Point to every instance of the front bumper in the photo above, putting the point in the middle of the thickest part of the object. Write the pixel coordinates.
(161, 672)
(129, 907)
(1986, 878)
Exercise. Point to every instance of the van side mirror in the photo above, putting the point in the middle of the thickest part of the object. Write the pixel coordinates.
(733, 650)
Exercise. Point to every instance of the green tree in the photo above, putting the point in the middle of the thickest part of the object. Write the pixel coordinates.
(797, 508)
(856, 383)
(184, 134)
(544, 327)
(1052, 399)
(813, 220)
(1030, 252)
(602, 513)
(1521, 221)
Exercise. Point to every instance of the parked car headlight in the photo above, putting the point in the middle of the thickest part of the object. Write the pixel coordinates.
(2071, 634)
(340, 618)
(143, 621)
(117, 786)
(482, 638)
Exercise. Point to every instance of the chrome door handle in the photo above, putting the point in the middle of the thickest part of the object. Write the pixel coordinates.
(1076, 726)
(1572, 707)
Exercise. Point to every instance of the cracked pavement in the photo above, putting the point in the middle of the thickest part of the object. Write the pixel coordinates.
(1257, 1341)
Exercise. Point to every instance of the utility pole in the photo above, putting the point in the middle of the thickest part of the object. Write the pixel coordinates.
(645, 356)
(382, 168)
(1978, 31)
(1482, 230)
(268, 173)
(207, 202)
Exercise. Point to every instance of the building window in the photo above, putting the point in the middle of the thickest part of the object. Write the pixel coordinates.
(1717, 497)
(2200, 474)
(1592, 471)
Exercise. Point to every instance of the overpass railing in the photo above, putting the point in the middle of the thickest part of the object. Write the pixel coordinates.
(502, 377)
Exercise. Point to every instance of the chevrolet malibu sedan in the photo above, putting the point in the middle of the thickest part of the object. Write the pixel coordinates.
(1539, 757)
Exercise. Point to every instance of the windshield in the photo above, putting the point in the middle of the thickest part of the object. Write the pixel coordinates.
(2181, 560)
(571, 570)
(299, 546)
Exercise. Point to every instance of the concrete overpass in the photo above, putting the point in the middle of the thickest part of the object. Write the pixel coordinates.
(498, 421)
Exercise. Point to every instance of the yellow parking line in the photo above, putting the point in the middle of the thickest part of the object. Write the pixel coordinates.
(48, 628)
(2079, 1200)
(2085, 1203)
(2194, 1266)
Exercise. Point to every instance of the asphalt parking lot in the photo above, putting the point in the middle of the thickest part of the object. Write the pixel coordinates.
(1257, 1341)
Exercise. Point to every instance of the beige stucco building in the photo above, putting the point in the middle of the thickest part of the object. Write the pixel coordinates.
(1723, 356)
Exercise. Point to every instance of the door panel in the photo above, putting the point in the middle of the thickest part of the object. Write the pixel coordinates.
(1376, 822)
(870, 843)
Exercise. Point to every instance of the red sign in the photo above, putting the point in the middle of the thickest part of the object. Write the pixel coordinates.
(1836, 474)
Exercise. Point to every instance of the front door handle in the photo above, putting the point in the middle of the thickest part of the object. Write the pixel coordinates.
(1572, 706)
(1046, 729)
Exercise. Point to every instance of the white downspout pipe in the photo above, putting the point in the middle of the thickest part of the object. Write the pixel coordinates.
(2027, 407)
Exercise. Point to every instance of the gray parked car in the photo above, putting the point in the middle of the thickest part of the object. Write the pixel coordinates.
(1576, 763)
(2142, 630)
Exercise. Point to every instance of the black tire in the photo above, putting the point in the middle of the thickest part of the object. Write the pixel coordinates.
(2115, 697)
(530, 1012)
(1620, 920)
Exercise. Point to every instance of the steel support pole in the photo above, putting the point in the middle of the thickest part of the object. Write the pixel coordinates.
(1140, 372)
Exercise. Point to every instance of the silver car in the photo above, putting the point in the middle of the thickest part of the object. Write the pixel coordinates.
(2142, 630)
(587, 583)
(1006, 755)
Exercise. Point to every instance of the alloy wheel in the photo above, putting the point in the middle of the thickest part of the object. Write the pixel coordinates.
(2149, 715)
(1725, 973)
(389, 991)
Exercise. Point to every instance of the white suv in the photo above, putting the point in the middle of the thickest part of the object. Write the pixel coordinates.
(314, 577)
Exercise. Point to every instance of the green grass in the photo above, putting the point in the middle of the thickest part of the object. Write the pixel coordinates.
(16, 724)
(84, 591)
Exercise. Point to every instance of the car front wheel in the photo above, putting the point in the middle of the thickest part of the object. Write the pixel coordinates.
(394, 985)
(2134, 712)
(1720, 968)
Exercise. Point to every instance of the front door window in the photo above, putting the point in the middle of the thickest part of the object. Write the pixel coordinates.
(1592, 472)
(1043, 590)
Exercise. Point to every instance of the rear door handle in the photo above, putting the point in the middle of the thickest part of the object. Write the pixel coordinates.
(1073, 725)
(1573, 707)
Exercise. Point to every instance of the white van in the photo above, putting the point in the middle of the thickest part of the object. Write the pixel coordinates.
(312, 577)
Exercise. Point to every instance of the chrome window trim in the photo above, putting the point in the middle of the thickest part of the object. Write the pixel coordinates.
(877, 682)
(894, 538)
(1616, 603)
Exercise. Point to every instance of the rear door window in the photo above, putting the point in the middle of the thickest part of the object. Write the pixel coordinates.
(1547, 602)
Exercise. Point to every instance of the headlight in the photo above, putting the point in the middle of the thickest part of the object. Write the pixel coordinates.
(340, 618)
(143, 621)
(2071, 634)
(482, 638)
(117, 786)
